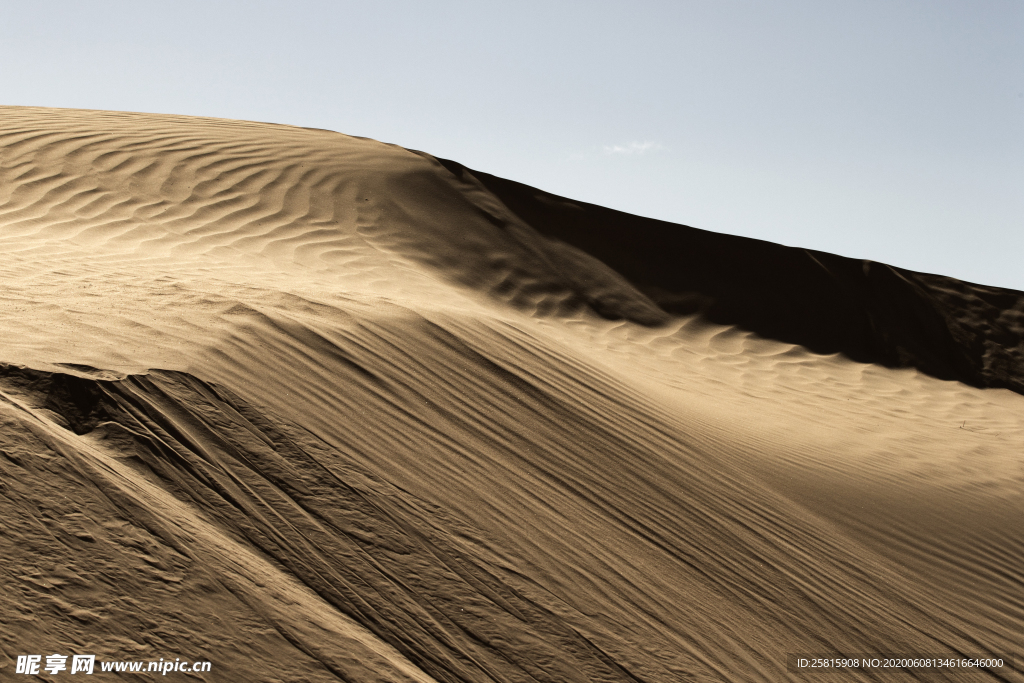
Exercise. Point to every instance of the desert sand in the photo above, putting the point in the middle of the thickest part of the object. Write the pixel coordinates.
(313, 407)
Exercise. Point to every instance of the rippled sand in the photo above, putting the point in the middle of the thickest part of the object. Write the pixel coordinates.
(314, 408)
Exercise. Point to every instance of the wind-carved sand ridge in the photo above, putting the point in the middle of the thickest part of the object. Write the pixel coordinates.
(316, 408)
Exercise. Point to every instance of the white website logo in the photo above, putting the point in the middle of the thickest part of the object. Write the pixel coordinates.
(30, 664)
(84, 664)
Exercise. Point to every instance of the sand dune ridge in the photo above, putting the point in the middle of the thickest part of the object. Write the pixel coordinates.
(319, 408)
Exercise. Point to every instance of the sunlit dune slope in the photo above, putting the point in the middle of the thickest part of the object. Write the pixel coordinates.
(316, 408)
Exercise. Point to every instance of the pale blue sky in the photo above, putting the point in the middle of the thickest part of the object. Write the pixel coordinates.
(889, 130)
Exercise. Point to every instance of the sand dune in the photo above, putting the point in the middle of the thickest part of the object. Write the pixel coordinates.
(313, 407)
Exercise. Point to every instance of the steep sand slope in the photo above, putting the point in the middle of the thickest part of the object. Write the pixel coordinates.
(313, 407)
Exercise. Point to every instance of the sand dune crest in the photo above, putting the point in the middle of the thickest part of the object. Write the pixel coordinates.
(315, 408)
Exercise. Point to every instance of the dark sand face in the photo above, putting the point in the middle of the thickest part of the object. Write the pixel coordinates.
(313, 407)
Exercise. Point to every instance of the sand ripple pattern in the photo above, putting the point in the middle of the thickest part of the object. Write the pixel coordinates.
(320, 408)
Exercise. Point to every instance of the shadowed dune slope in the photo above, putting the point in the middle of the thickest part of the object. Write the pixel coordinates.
(869, 311)
(312, 407)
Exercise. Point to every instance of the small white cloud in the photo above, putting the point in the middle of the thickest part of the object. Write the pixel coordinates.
(633, 148)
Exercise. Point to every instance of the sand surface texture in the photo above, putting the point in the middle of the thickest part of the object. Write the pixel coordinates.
(316, 408)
